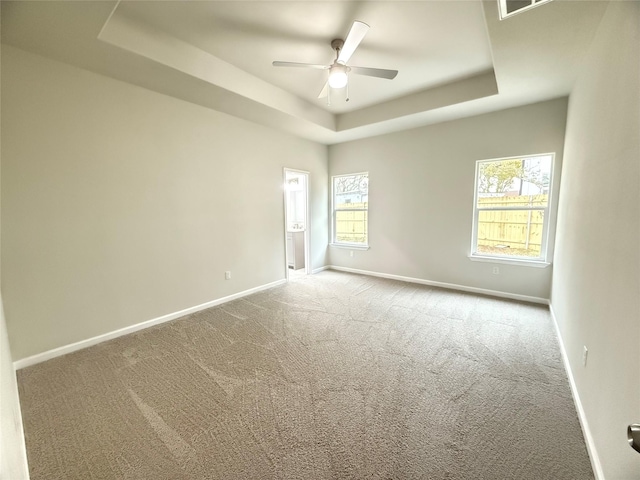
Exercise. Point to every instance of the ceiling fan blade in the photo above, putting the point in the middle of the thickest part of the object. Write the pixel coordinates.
(303, 65)
(325, 90)
(355, 36)
(374, 72)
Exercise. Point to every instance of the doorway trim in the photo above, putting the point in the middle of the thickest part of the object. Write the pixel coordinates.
(307, 235)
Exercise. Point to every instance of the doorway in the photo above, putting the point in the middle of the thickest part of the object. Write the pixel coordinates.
(296, 220)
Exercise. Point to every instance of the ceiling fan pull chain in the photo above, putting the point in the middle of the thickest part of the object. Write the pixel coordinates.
(347, 74)
(328, 95)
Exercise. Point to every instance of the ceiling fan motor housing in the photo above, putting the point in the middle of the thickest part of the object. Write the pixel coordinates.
(337, 44)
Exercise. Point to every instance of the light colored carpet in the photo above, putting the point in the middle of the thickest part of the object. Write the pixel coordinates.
(332, 376)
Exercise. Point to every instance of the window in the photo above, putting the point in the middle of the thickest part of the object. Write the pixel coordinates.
(350, 195)
(511, 7)
(511, 208)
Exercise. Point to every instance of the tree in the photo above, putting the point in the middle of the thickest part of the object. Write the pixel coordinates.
(497, 177)
(352, 184)
(536, 174)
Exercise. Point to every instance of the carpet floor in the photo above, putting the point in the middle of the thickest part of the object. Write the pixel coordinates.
(331, 376)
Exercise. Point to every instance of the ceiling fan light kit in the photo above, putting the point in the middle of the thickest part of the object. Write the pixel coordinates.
(338, 76)
(339, 70)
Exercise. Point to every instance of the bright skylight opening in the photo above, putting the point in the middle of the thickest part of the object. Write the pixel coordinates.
(508, 8)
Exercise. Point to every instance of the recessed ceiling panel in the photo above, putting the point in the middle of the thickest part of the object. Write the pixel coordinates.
(430, 42)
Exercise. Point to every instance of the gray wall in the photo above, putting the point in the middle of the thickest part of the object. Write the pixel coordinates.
(596, 281)
(120, 205)
(421, 185)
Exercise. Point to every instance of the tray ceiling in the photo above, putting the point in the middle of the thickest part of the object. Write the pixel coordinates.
(455, 58)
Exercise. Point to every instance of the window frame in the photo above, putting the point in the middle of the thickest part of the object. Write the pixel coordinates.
(540, 261)
(334, 242)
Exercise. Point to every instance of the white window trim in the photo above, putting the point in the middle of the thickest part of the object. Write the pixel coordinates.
(333, 243)
(539, 262)
(350, 246)
(509, 261)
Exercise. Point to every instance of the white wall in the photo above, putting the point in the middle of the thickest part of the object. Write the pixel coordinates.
(120, 205)
(13, 456)
(421, 186)
(596, 281)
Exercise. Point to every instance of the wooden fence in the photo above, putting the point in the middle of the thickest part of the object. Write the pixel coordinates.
(515, 201)
(351, 226)
(515, 232)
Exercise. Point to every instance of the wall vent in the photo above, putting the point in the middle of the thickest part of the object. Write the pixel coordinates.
(508, 8)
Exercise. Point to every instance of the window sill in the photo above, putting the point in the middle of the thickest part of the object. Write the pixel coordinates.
(349, 246)
(510, 261)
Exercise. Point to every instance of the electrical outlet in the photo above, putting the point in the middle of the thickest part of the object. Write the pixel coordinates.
(496, 270)
(585, 352)
(227, 275)
(351, 253)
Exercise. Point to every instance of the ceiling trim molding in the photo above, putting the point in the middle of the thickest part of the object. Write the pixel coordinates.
(141, 39)
(474, 88)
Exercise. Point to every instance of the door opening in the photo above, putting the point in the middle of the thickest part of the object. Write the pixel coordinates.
(296, 219)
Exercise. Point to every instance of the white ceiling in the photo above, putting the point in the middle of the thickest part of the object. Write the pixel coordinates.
(455, 58)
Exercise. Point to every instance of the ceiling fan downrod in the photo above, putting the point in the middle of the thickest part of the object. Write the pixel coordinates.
(337, 44)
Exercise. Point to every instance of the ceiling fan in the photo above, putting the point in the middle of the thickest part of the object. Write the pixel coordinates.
(339, 70)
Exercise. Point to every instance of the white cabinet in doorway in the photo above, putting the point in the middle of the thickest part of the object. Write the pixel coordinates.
(295, 249)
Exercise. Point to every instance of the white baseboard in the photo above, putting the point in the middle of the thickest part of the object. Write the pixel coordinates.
(586, 431)
(451, 286)
(15, 463)
(57, 352)
(318, 270)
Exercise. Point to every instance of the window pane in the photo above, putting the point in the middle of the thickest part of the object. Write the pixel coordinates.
(351, 227)
(351, 191)
(350, 203)
(514, 182)
(510, 233)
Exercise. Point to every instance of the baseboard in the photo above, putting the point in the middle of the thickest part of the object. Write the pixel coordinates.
(588, 437)
(318, 270)
(20, 428)
(57, 352)
(451, 286)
